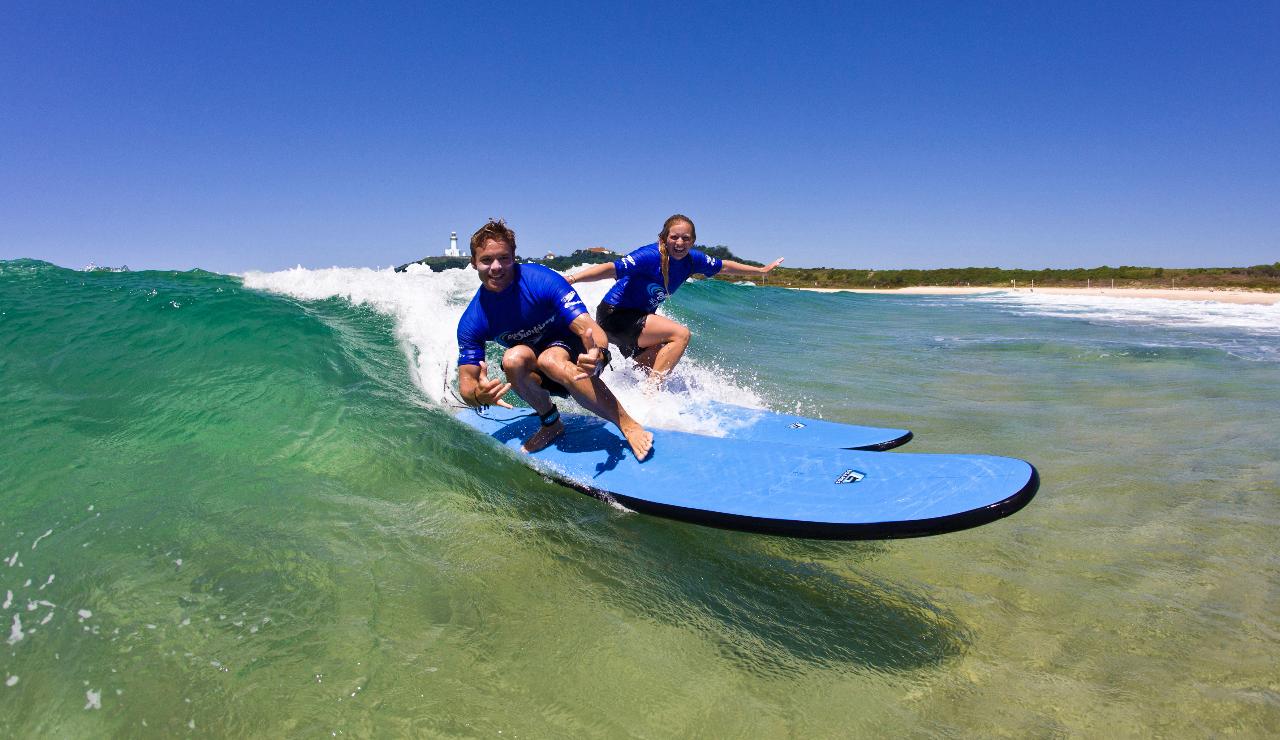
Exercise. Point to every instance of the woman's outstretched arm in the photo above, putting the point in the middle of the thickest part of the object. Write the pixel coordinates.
(594, 272)
(729, 267)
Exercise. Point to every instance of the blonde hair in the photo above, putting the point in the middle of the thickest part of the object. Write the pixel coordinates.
(662, 244)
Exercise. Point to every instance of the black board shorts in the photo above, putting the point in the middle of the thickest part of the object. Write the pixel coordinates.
(623, 326)
(574, 346)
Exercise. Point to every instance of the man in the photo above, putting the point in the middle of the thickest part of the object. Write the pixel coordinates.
(553, 346)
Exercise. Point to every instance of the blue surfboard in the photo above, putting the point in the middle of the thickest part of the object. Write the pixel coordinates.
(762, 425)
(781, 489)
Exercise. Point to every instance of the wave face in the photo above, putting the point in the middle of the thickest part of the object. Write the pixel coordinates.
(425, 307)
(239, 505)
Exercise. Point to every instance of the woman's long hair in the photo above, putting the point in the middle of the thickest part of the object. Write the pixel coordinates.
(662, 244)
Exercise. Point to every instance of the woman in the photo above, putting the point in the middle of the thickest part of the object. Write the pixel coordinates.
(645, 278)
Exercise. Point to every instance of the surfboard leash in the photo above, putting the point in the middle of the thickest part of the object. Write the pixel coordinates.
(460, 404)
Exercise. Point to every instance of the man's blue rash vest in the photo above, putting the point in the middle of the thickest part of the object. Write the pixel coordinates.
(536, 308)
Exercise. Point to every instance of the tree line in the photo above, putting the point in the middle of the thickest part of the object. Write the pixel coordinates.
(1262, 277)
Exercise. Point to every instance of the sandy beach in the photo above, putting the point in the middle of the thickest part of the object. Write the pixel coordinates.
(1172, 294)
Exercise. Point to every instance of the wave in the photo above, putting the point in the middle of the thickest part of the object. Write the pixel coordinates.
(1178, 314)
(425, 307)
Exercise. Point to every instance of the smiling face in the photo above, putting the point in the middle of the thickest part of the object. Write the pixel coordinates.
(495, 261)
(679, 239)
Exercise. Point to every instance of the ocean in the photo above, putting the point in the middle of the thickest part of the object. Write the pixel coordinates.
(239, 506)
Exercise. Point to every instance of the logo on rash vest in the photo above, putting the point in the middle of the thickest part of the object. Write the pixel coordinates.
(629, 261)
(524, 335)
(656, 295)
(850, 476)
(571, 299)
(797, 425)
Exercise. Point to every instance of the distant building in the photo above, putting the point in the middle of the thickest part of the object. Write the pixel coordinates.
(549, 256)
(452, 251)
(599, 250)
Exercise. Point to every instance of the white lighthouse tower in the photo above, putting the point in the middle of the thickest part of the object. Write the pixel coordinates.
(452, 251)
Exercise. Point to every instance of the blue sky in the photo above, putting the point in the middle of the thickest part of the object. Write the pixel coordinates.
(244, 135)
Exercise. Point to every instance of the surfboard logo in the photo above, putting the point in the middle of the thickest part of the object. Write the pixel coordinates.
(850, 476)
(797, 425)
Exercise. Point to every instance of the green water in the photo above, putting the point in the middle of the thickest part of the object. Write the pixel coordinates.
(260, 522)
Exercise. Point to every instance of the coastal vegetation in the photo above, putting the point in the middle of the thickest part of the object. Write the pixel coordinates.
(1256, 277)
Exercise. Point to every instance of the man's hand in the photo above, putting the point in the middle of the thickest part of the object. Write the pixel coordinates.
(771, 265)
(589, 364)
(490, 392)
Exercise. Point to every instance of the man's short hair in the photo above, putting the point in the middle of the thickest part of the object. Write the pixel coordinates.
(497, 230)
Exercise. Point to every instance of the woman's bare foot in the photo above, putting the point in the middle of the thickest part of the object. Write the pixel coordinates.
(653, 384)
(641, 441)
(543, 437)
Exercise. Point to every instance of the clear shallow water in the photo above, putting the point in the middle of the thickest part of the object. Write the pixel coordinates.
(238, 506)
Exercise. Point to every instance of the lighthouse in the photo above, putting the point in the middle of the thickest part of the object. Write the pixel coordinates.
(452, 251)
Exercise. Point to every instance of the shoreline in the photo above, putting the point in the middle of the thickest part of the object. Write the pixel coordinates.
(1225, 295)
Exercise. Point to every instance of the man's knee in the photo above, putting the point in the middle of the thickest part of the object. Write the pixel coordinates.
(518, 358)
(548, 362)
(682, 335)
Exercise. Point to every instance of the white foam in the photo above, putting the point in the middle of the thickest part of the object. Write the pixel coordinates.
(93, 699)
(1255, 319)
(426, 307)
(15, 632)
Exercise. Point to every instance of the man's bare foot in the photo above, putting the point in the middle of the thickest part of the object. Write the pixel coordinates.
(543, 437)
(641, 441)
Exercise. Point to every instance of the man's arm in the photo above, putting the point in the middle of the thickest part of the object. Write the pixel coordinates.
(729, 267)
(593, 273)
(477, 389)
